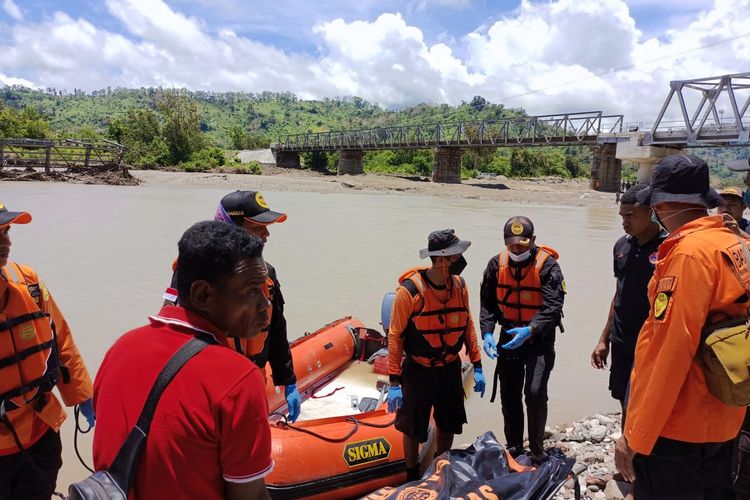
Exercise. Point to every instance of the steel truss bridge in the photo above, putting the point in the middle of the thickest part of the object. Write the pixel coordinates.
(567, 129)
(702, 103)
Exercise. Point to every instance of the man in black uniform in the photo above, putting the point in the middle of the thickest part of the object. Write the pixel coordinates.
(523, 291)
(634, 262)
(249, 210)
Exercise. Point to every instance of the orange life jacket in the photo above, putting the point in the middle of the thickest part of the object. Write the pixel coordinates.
(519, 289)
(437, 329)
(29, 361)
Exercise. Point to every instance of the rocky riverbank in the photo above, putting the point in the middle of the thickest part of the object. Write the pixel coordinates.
(539, 191)
(591, 441)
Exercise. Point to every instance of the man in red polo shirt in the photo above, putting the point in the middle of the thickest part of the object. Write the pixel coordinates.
(209, 437)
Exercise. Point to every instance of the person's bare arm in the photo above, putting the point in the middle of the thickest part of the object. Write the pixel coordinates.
(601, 351)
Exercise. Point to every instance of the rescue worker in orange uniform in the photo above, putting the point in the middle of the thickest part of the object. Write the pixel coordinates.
(430, 324)
(37, 353)
(249, 210)
(523, 290)
(677, 441)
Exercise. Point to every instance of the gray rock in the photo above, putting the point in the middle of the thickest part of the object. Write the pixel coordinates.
(598, 433)
(616, 490)
(599, 495)
(593, 488)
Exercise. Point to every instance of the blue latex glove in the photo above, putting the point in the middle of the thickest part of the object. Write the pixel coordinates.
(479, 382)
(293, 401)
(520, 335)
(490, 346)
(395, 398)
(87, 408)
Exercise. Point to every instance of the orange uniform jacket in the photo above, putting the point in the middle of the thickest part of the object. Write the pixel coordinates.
(693, 284)
(404, 306)
(75, 387)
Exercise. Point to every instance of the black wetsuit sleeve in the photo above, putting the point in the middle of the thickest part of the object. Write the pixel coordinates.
(553, 295)
(279, 353)
(489, 312)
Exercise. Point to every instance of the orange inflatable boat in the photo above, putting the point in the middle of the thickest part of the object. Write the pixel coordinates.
(344, 443)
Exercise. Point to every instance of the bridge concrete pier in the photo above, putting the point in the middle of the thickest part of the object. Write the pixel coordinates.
(645, 157)
(351, 162)
(606, 169)
(287, 159)
(447, 165)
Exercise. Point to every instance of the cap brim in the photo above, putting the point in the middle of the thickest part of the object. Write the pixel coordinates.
(517, 239)
(654, 197)
(739, 165)
(14, 218)
(455, 249)
(267, 217)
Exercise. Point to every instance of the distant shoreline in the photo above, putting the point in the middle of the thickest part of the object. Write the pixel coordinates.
(541, 191)
(553, 191)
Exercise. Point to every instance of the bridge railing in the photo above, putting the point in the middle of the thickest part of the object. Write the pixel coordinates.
(542, 130)
(66, 153)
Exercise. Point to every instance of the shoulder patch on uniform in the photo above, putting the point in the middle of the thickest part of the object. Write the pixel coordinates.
(666, 284)
(34, 290)
(564, 287)
(661, 304)
(45, 292)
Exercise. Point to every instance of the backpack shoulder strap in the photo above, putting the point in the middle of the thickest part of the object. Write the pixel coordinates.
(125, 464)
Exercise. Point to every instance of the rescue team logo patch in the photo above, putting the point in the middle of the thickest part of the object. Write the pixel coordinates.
(45, 292)
(34, 291)
(516, 228)
(653, 258)
(564, 287)
(27, 332)
(260, 201)
(453, 319)
(660, 305)
(666, 284)
(525, 296)
(365, 452)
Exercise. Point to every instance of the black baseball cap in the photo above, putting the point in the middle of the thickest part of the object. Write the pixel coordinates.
(442, 243)
(248, 205)
(680, 179)
(8, 217)
(518, 229)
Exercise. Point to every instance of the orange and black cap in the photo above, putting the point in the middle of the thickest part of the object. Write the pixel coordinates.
(8, 217)
(250, 205)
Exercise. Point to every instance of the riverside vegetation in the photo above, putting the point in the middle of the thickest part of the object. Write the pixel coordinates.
(200, 131)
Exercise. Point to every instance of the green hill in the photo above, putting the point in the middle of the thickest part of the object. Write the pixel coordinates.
(141, 118)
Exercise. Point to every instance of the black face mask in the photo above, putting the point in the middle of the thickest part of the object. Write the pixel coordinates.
(456, 268)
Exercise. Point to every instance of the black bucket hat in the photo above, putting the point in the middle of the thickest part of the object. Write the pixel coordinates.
(680, 179)
(443, 243)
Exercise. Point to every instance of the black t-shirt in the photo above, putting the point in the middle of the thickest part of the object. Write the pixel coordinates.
(634, 266)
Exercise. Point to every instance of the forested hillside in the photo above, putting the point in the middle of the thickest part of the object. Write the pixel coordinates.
(196, 129)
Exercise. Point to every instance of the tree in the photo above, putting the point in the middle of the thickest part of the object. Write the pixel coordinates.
(181, 129)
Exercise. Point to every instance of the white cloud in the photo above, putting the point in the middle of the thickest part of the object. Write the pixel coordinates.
(8, 80)
(12, 10)
(546, 57)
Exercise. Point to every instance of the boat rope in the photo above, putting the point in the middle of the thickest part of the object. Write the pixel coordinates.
(353, 420)
(315, 396)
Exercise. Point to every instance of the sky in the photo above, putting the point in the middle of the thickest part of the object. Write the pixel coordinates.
(615, 56)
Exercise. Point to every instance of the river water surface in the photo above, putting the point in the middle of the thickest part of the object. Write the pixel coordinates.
(105, 253)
